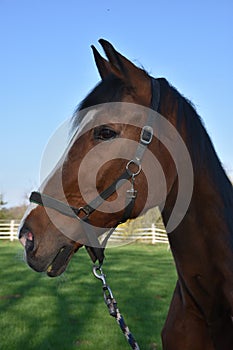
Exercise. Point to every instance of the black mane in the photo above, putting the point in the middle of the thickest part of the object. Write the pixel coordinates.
(204, 157)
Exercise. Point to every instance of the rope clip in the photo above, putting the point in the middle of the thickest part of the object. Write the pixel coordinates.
(98, 273)
(108, 296)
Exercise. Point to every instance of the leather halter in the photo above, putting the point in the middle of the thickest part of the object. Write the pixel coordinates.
(95, 250)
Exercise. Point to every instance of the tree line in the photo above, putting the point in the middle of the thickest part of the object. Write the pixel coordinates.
(16, 212)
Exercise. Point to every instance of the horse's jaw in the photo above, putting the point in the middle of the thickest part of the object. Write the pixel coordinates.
(61, 261)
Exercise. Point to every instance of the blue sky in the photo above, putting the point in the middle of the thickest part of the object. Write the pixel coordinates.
(46, 68)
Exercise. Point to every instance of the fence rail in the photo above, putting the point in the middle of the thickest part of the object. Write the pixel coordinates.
(9, 229)
(154, 234)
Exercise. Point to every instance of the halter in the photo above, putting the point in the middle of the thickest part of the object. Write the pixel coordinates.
(94, 248)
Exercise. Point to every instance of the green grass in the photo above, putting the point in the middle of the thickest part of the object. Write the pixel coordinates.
(68, 312)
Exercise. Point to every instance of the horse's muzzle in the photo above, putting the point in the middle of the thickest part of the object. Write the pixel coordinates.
(41, 259)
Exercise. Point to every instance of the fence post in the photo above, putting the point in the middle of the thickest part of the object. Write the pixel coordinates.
(153, 231)
(12, 230)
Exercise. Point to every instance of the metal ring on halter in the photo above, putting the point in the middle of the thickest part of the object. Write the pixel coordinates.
(136, 164)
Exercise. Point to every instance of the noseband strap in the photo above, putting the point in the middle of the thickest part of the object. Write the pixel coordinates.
(82, 212)
(95, 250)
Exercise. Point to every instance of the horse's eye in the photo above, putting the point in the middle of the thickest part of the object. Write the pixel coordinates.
(104, 133)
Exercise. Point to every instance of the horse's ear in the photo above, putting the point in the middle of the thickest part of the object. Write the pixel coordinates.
(102, 64)
(126, 70)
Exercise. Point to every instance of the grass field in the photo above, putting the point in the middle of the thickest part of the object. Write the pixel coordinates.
(68, 312)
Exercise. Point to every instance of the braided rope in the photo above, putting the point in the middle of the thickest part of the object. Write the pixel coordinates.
(113, 309)
(125, 329)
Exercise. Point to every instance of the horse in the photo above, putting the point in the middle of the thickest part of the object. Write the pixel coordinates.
(119, 163)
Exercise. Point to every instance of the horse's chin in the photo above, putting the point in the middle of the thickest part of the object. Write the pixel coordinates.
(61, 261)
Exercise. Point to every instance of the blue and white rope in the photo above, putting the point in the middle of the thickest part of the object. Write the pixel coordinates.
(125, 329)
(113, 309)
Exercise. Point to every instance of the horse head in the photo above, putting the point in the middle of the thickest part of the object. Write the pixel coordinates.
(118, 165)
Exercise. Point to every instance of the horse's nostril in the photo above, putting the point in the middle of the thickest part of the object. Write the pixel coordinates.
(29, 242)
(26, 238)
(30, 236)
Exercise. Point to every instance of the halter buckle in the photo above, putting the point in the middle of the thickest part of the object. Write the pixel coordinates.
(146, 135)
(84, 211)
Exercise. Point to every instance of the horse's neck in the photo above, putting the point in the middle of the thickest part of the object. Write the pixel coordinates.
(202, 244)
(210, 214)
(211, 207)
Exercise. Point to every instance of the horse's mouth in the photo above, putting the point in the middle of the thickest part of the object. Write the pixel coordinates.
(60, 262)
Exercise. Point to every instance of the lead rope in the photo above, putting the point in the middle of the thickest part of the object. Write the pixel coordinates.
(111, 303)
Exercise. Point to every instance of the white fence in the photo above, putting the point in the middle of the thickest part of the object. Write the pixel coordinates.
(154, 234)
(9, 229)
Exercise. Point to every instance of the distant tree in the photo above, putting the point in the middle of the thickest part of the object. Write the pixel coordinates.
(153, 216)
(12, 213)
(2, 202)
(3, 210)
(17, 212)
